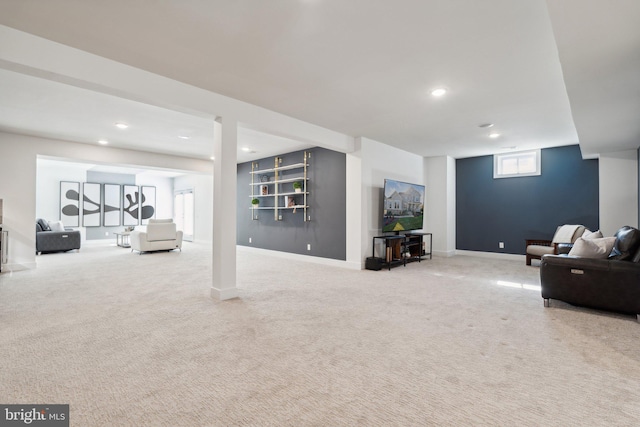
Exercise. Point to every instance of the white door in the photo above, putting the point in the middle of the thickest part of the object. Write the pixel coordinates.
(184, 213)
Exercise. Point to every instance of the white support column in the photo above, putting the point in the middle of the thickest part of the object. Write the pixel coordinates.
(354, 211)
(224, 209)
(440, 209)
(618, 199)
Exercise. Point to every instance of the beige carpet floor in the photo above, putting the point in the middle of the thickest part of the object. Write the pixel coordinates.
(131, 340)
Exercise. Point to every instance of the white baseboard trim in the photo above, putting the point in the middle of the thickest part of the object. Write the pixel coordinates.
(308, 258)
(19, 266)
(494, 255)
(224, 294)
(445, 254)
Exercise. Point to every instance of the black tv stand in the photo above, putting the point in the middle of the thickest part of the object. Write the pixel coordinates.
(400, 249)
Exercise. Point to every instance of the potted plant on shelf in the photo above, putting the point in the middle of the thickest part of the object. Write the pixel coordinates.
(297, 187)
(255, 203)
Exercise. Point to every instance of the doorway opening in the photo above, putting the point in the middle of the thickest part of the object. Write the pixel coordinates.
(183, 213)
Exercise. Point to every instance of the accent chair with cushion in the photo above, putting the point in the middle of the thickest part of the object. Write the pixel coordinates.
(601, 273)
(161, 235)
(52, 236)
(561, 242)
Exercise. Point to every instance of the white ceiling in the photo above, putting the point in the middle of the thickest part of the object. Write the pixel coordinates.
(51, 109)
(545, 73)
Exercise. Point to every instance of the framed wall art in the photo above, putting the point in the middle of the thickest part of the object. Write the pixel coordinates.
(112, 205)
(130, 204)
(91, 199)
(70, 203)
(148, 204)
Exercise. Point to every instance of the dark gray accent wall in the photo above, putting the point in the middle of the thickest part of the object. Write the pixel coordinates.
(510, 210)
(97, 233)
(326, 231)
(638, 186)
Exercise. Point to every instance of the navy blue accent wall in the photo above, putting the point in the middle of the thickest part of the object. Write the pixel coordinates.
(327, 200)
(511, 210)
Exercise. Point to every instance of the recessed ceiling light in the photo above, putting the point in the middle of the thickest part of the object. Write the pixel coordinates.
(121, 125)
(183, 137)
(246, 149)
(103, 141)
(486, 125)
(438, 92)
(494, 135)
(212, 158)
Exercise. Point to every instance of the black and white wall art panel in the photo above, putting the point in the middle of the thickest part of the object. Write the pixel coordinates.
(148, 204)
(130, 205)
(70, 203)
(91, 199)
(112, 205)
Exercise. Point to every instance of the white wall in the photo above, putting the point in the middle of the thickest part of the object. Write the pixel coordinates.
(18, 181)
(440, 210)
(202, 186)
(618, 190)
(380, 161)
(18, 189)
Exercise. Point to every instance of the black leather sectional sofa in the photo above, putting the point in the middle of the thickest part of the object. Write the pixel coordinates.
(606, 284)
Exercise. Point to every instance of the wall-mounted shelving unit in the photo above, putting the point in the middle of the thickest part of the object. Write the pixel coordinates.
(274, 185)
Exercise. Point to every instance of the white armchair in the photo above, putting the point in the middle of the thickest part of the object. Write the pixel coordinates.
(161, 235)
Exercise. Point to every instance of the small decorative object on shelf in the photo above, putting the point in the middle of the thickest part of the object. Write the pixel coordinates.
(255, 203)
(264, 190)
(297, 187)
(291, 202)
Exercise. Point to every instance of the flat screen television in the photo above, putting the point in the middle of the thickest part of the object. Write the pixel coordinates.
(403, 206)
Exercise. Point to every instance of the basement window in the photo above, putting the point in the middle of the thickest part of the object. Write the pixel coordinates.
(510, 165)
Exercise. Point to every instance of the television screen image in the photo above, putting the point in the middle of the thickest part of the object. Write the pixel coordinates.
(403, 206)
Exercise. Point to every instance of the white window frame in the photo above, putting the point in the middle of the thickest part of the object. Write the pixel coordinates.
(498, 160)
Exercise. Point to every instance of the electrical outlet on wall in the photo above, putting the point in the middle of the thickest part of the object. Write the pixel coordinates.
(501, 245)
(308, 246)
(249, 239)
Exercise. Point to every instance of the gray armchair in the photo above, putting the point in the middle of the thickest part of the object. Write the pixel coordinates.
(55, 241)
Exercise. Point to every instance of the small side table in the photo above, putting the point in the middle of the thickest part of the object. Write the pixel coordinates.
(122, 239)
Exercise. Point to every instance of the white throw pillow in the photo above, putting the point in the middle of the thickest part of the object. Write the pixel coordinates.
(588, 234)
(56, 225)
(592, 248)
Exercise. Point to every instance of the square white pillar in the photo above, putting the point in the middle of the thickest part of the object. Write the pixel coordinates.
(225, 182)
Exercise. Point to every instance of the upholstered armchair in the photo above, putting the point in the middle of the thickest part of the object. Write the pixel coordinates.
(561, 242)
(56, 239)
(161, 235)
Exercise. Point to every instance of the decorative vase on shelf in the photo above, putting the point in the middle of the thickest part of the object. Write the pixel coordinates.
(255, 203)
(297, 187)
